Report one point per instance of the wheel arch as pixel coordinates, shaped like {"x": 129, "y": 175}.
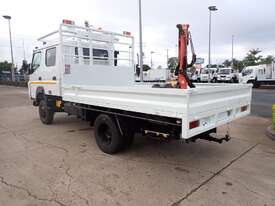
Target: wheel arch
{"x": 39, "y": 94}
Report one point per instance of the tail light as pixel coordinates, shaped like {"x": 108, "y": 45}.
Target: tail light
{"x": 244, "y": 108}
{"x": 127, "y": 33}
{"x": 194, "y": 124}
{"x": 66, "y": 21}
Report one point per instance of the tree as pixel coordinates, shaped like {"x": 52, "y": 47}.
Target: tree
{"x": 172, "y": 64}
{"x": 253, "y": 58}
{"x": 5, "y": 66}
{"x": 237, "y": 64}
{"x": 267, "y": 60}
{"x": 227, "y": 63}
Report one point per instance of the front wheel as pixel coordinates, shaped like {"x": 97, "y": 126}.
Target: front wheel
{"x": 45, "y": 113}
{"x": 256, "y": 84}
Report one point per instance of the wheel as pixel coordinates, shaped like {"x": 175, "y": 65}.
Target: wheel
{"x": 256, "y": 84}
{"x": 108, "y": 137}
{"x": 235, "y": 79}
{"x": 46, "y": 114}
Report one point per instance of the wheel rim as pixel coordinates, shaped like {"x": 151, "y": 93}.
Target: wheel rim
{"x": 105, "y": 134}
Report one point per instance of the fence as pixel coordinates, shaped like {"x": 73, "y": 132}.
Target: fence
{"x": 20, "y": 80}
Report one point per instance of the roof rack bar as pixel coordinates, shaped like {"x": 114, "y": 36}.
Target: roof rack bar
{"x": 50, "y": 34}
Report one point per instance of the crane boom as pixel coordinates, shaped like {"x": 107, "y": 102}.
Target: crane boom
{"x": 184, "y": 39}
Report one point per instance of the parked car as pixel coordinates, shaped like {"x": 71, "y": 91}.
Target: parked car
{"x": 228, "y": 75}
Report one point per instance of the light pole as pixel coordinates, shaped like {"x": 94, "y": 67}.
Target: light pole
{"x": 12, "y": 61}
{"x": 232, "y": 58}
{"x": 140, "y": 42}
{"x": 211, "y": 8}
{"x": 167, "y": 56}
{"x": 152, "y": 59}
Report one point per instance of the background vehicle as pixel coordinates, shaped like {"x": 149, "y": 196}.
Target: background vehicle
{"x": 90, "y": 73}
{"x": 228, "y": 75}
{"x": 195, "y": 75}
{"x": 209, "y": 75}
{"x": 156, "y": 75}
{"x": 259, "y": 75}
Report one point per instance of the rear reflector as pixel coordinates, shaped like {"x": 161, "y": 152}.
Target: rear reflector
{"x": 244, "y": 108}
{"x": 194, "y": 124}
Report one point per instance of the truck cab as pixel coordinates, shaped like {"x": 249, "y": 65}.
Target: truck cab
{"x": 78, "y": 55}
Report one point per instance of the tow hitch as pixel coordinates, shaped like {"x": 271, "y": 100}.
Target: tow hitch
{"x": 209, "y": 137}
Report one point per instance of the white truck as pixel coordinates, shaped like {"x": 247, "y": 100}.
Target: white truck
{"x": 228, "y": 75}
{"x": 156, "y": 75}
{"x": 259, "y": 75}
{"x": 89, "y": 73}
{"x": 209, "y": 75}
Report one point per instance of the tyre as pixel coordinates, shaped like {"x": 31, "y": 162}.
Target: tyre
{"x": 256, "y": 84}
{"x": 108, "y": 137}
{"x": 45, "y": 113}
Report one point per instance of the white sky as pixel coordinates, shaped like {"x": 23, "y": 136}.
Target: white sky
{"x": 252, "y": 22}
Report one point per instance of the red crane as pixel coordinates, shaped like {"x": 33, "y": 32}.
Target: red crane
{"x": 181, "y": 71}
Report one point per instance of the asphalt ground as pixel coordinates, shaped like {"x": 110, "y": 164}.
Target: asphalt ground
{"x": 60, "y": 164}
{"x": 262, "y": 101}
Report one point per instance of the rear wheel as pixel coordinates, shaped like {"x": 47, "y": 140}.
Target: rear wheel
{"x": 45, "y": 113}
{"x": 108, "y": 137}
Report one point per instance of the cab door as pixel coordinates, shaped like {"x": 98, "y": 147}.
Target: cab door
{"x": 46, "y": 76}
{"x": 51, "y": 73}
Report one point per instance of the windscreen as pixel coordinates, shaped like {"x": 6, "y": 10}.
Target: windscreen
{"x": 224, "y": 71}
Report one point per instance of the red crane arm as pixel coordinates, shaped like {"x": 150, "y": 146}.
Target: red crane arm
{"x": 183, "y": 80}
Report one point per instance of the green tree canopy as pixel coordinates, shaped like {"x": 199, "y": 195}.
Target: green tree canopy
{"x": 253, "y": 57}
{"x": 5, "y": 66}
{"x": 267, "y": 60}
{"x": 172, "y": 64}
{"x": 227, "y": 63}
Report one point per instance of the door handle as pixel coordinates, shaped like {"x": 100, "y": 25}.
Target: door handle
{"x": 39, "y": 78}
{"x": 54, "y": 77}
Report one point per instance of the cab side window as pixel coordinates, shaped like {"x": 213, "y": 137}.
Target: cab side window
{"x": 36, "y": 61}
{"x": 100, "y": 57}
{"x": 50, "y": 57}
